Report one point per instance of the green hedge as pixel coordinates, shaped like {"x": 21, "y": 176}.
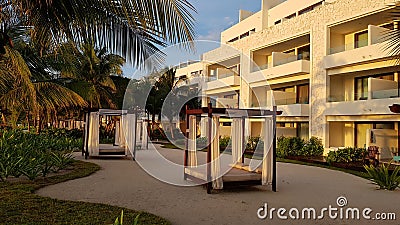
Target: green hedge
{"x": 346, "y": 155}
{"x": 295, "y": 146}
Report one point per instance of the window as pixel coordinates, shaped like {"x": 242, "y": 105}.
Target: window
{"x": 231, "y": 96}
{"x": 306, "y": 10}
{"x": 290, "y": 16}
{"x": 361, "y": 39}
{"x": 303, "y": 94}
{"x": 298, "y": 94}
{"x": 302, "y": 130}
{"x": 244, "y": 35}
{"x": 277, "y": 22}
{"x": 303, "y": 53}
{"x": 389, "y": 26}
{"x": 362, "y": 127}
{"x": 234, "y": 39}
{"x": 291, "y": 52}
{"x": 361, "y": 92}
{"x": 310, "y": 8}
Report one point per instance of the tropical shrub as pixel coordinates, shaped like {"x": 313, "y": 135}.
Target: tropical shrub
{"x": 313, "y": 147}
{"x": 289, "y": 146}
{"x": 254, "y": 143}
{"x": 62, "y": 132}
{"x": 224, "y": 142}
{"x": 32, "y": 155}
{"x": 295, "y": 146}
{"x": 346, "y": 155}
{"x": 380, "y": 176}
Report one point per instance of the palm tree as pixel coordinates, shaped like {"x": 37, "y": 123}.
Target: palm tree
{"x": 133, "y": 28}
{"x": 22, "y": 93}
{"x": 172, "y": 97}
{"x": 26, "y": 85}
{"x": 88, "y": 71}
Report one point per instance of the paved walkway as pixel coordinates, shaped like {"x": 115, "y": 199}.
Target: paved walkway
{"x": 124, "y": 183}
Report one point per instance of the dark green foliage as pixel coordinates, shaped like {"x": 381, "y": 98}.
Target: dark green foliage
{"x": 313, "y": 147}
{"x": 381, "y": 177}
{"x": 62, "y": 132}
{"x": 32, "y": 155}
{"x": 121, "y": 84}
{"x": 254, "y": 143}
{"x": 295, "y": 146}
{"x": 224, "y": 142}
{"x": 289, "y": 146}
{"x": 346, "y": 155}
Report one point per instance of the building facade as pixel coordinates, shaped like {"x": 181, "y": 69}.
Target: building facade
{"x": 325, "y": 64}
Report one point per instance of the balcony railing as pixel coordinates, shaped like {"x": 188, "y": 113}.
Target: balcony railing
{"x": 225, "y": 75}
{"x": 303, "y": 56}
{"x": 382, "y": 94}
{"x": 392, "y": 93}
{"x": 292, "y": 101}
{"x": 349, "y": 46}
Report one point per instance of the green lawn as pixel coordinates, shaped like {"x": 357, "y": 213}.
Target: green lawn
{"x": 19, "y": 204}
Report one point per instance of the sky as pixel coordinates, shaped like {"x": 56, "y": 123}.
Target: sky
{"x": 212, "y": 17}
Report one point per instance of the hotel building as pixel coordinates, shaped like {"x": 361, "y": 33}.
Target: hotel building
{"x": 323, "y": 63}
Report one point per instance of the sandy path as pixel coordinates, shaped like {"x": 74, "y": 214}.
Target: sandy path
{"x": 124, "y": 183}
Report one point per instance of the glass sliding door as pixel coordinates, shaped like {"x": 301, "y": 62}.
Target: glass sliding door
{"x": 361, "y": 134}
{"x": 303, "y": 94}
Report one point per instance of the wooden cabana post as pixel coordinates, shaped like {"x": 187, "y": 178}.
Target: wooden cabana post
{"x": 209, "y": 143}
{"x": 274, "y": 149}
{"x": 185, "y": 163}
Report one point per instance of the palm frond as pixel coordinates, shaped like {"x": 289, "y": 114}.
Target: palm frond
{"x": 133, "y": 29}
{"x": 52, "y": 97}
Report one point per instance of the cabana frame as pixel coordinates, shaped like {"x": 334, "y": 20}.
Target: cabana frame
{"x": 209, "y": 112}
{"x": 129, "y": 120}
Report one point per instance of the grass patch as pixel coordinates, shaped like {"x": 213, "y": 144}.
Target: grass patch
{"x": 19, "y": 204}
{"x": 353, "y": 172}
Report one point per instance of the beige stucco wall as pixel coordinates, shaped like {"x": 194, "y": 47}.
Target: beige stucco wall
{"x": 321, "y": 18}
{"x": 316, "y": 24}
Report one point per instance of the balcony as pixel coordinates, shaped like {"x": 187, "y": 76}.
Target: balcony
{"x": 228, "y": 103}
{"x": 366, "y": 107}
{"x": 358, "y": 52}
{"x": 287, "y": 102}
{"x": 224, "y": 81}
{"x": 282, "y": 65}
{"x": 377, "y": 89}
{"x": 381, "y": 93}
{"x": 294, "y": 110}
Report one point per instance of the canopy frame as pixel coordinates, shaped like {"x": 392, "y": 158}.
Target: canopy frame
{"x": 95, "y": 114}
{"x": 209, "y": 111}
